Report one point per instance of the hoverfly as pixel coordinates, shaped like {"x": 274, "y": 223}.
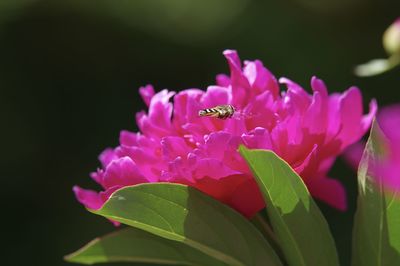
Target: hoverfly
{"x": 220, "y": 111}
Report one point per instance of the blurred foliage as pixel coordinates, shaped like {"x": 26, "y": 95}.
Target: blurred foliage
{"x": 181, "y": 21}
{"x": 10, "y": 8}
{"x": 333, "y": 7}
{"x": 391, "y": 43}
{"x": 69, "y": 73}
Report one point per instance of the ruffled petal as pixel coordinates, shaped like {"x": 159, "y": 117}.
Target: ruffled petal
{"x": 239, "y": 84}
{"x": 260, "y": 78}
{"x": 173, "y": 147}
{"x": 213, "y": 168}
{"x": 122, "y": 172}
{"x": 147, "y": 92}
{"x": 89, "y": 198}
{"x": 223, "y": 80}
{"x": 216, "y": 95}
{"x": 350, "y": 114}
{"x": 107, "y": 156}
{"x": 160, "y": 109}
{"x": 128, "y": 138}
{"x": 258, "y": 138}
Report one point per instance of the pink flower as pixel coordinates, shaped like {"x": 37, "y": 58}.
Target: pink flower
{"x": 176, "y": 145}
{"x": 387, "y": 167}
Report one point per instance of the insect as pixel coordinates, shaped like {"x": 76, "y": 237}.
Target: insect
{"x": 220, "y": 111}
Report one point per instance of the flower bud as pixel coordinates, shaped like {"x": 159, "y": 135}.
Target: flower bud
{"x": 391, "y": 38}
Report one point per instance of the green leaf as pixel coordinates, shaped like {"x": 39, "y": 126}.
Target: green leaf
{"x": 298, "y": 224}
{"x": 376, "y": 232}
{"x": 134, "y": 245}
{"x": 186, "y": 215}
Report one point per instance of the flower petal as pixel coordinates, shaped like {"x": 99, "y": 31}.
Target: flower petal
{"x": 147, "y": 92}
{"x": 329, "y": 191}
{"x": 89, "y": 198}
{"x": 122, "y": 172}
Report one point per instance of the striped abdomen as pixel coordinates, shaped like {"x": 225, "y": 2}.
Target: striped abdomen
{"x": 220, "y": 111}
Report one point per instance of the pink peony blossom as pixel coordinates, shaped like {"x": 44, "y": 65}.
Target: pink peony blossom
{"x": 387, "y": 167}
{"x": 176, "y": 145}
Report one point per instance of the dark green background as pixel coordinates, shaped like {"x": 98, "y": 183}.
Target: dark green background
{"x": 70, "y": 70}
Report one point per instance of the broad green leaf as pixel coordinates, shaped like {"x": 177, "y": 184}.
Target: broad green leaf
{"x": 135, "y": 245}
{"x": 376, "y": 232}
{"x": 298, "y": 223}
{"x": 184, "y": 214}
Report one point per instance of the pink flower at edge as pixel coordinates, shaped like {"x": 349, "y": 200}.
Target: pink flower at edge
{"x": 176, "y": 145}
{"x": 386, "y": 168}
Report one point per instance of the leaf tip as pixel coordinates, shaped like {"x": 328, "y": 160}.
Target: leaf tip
{"x": 71, "y": 258}
{"x": 243, "y": 150}
{"x": 78, "y": 256}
